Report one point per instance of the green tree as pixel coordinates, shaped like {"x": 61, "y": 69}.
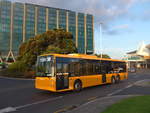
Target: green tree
{"x": 52, "y": 41}
{"x": 103, "y": 56}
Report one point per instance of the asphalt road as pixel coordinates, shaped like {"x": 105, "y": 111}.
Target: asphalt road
{"x": 20, "y": 96}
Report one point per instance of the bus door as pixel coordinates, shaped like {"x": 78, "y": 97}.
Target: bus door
{"x": 62, "y": 77}
{"x": 103, "y": 71}
{"x": 62, "y": 82}
{"x": 103, "y": 78}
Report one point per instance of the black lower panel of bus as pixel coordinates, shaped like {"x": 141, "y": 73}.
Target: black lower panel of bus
{"x": 103, "y": 78}
{"x": 62, "y": 82}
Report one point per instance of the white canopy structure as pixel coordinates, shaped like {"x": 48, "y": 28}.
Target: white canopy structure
{"x": 139, "y": 56}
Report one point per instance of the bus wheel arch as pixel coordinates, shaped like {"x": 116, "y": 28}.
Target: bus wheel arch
{"x": 77, "y": 85}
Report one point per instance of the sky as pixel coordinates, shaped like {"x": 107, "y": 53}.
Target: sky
{"x": 125, "y": 23}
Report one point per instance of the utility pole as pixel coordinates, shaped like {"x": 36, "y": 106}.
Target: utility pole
{"x": 101, "y": 39}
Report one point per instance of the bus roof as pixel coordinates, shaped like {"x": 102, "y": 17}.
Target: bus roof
{"x": 83, "y": 56}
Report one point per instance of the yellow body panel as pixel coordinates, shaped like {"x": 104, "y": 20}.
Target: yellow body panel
{"x": 49, "y": 83}
{"x": 87, "y": 81}
{"x": 46, "y": 83}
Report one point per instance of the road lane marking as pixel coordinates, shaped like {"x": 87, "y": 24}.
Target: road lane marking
{"x": 128, "y": 86}
{"x": 10, "y": 109}
{"x": 115, "y": 92}
{"x": 139, "y": 81}
{"x": 39, "y": 102}
{"x": 118, "y": 91}
{"x": 92, "y": 98}
{"x": 65, "y": 109}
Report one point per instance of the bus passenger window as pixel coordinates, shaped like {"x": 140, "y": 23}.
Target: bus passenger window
{"x": 65, "y": 68}
{"x": 103, "y": 67}
{"x": 97, "y": 68}
{"x": 59, "y": 67}
{"x": 76, "y": 68}
{"x": 71, "y": 69}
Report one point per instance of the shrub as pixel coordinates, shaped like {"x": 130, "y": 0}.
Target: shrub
{"x": 18, "y": 66}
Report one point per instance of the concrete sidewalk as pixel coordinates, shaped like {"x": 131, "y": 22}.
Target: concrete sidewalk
{"x": 99, "y": 105}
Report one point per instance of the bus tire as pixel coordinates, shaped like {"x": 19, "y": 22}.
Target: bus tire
{"x": 113, "y": 80}
{"x": 77, "y": 85}
{"x": 117, "y": 79}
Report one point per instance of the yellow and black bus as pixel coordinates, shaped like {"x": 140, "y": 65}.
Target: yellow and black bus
{"x": 59, "y": 72}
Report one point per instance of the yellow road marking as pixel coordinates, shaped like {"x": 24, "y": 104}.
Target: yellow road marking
{"x": 92, "y": 98}
{"x": 64, "y": 109}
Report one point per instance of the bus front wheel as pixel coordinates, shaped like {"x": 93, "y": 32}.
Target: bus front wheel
{"x": 77, "y": 85}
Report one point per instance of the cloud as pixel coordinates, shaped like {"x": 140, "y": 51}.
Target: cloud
{"x": 145, "y": 0}
{"x": 146, "y": 15}
{"x": 119, "y": 29}
{"x": 123, "y": 26}
{"x": 115, "y": 53}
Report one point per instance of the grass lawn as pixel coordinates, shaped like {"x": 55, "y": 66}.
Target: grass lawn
{"x": 139, "y": 104}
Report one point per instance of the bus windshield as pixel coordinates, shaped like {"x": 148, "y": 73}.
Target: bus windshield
{"x": 44, "y": 66}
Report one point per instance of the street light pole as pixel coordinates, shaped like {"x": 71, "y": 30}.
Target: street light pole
{"x": 101, "y": 40}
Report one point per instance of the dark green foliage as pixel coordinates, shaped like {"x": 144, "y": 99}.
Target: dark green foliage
{"x": 52, "y": 41}
{"x": 17, "y": 66}
{"x": 103, "y": 56}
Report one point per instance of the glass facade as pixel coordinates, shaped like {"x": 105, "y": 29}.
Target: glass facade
{"x": 72, "y": 24}
{"x": 52, "y": 18}
{"x": 26, "y": 20}
{"x": 5, "y": 21}
{"x": 41, "y": 20}
{"x": 81, "y": 39}
{"x": 89, "y": 35}
{"x": 18, "y": 10}
{"x": 62, "y": 19}
{"x": 29, "y": 21}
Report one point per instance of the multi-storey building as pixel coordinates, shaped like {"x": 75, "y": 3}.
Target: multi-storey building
{"x": 20, "y": 21}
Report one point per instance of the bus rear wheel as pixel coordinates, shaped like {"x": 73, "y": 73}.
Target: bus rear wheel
{"x": 77, "y": 86}
{"x": 113, "y": 80}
